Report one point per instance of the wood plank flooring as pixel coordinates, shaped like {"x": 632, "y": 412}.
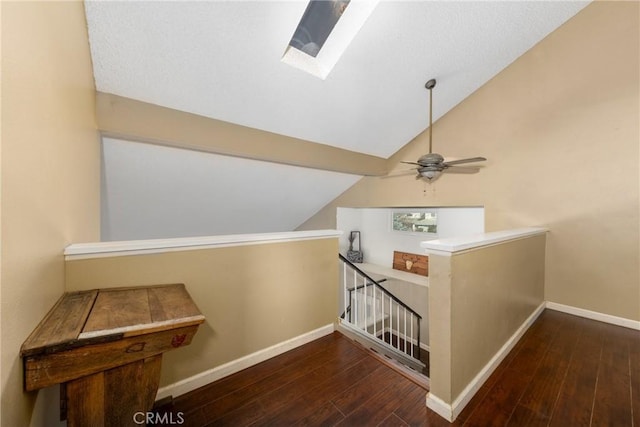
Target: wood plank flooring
{"x": 566, "y": 371}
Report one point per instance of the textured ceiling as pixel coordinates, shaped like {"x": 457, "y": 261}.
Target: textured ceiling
{"x": 222, "y": 59}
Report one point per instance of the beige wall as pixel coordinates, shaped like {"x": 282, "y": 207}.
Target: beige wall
{"x": 478, "y": 300}
{"x": 252, "y": 296}
{"x": 561, "y": 129}
{"x": 50, "y": 178}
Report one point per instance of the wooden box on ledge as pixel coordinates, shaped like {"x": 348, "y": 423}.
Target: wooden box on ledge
{"x": 411, "y": 263}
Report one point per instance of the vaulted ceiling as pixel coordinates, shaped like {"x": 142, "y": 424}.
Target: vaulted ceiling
{"x": 222, "y": 60}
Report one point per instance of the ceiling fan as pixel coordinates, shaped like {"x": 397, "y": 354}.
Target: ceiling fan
{"x": 431, "y": 165}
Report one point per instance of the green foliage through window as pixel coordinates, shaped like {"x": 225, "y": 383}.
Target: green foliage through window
{"x": 415, "y": 222}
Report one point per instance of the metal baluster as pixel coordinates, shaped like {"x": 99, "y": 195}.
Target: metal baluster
{"x": 418, "y": 336}
{"x": 390, "y": 321}
{"x": 375, "y": 309}
{"x": 344, "y": 288}
{"x": 383, "y": 311}
{"x": 354, "y": 303}
{"x": 355, "y": 297}
{"x": 411, "y": 321}
{"x": 398, "y": 334}
{"x": 366, "y": 305}
{"x": 405, "y": 329}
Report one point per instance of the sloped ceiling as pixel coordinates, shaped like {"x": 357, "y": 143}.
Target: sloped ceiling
{"x": 222, "y": 59}
{"x": 151, "y": 191}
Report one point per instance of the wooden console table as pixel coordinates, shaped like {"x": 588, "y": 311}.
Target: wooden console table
{"x": 104, "y": 347}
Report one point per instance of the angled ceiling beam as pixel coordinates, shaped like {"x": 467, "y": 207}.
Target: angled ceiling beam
{"x": 129, "y": 119}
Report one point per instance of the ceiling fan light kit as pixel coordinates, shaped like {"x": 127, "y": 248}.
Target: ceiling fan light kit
{"x": 431, "y": 165}
{"x": 430, "y": 174}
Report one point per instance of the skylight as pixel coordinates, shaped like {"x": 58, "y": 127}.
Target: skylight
{"x": 316, "y": 24}
{"x": 324, "y": 32}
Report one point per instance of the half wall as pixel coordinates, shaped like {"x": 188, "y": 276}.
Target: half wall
{"x": 256, "y": 291}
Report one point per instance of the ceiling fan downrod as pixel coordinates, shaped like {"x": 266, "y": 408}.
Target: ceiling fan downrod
{"x": 430, "y": 85}
{"x": 430, "y": 165}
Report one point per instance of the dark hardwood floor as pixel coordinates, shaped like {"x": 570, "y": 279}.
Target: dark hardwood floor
{"x": 565, "y": 371}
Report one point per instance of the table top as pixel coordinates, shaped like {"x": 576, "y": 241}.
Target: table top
{"x": 103, "y": 315}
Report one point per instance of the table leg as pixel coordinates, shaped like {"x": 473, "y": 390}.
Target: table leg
{"x": 117, "y": 397}
{"x": 85, "y": 401}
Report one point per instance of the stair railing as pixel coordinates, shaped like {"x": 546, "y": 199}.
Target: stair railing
{"x": 376, "y": 312}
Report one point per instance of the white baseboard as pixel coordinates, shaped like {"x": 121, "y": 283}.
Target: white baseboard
{"x": 451, "y": 412}
{"x": 594, "y": 315}
{"x": 440, "y": 407}
{"x": 214, "y": 374}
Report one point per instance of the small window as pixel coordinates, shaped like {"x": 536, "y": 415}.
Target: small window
{"x": 415, "y": 222}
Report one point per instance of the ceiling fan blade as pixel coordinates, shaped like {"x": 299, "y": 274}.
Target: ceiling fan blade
{"x": 412, "y": 163}
{"x": 400, "y": 173}
{"x": 462, "y": 169}
{"x": 469, "y": 160}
